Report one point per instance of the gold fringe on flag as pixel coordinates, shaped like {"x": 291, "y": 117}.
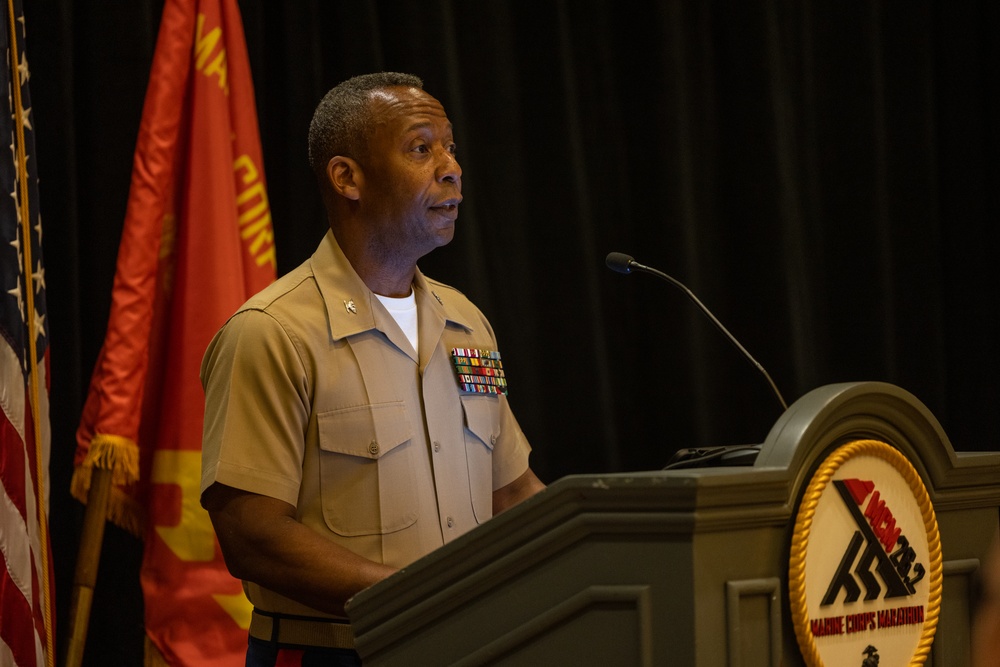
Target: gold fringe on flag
{"x": 120, "y": 456}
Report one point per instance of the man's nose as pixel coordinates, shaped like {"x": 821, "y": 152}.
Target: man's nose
{"x": 448, "y": 167}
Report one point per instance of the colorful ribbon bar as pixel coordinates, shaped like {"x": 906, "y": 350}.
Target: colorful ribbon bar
{"x": 479, "y": 371}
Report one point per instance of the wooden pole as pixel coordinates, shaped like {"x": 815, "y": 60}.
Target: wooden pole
{"x": 88, "y": 558}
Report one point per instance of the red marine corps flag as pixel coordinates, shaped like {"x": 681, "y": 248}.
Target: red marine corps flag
{"x": 196, "y": 244}
{"x": 26, "y": 595}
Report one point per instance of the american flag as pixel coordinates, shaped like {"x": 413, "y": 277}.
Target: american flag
{"x": 25, "y": 581}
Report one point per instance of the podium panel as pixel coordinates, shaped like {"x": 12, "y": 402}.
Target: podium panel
{"x": 686, "y": 567}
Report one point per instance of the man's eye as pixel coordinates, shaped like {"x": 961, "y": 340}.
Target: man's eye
{"x": 420, "y": 148}
{"x": 453, "y": 149}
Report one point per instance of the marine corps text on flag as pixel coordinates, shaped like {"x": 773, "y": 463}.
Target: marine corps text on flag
{"x": 197, "y": 242}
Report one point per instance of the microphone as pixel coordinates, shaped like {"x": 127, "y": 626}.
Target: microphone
{"x": 622, "y": 263}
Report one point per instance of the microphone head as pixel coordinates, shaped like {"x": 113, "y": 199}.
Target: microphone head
{"x": 620, "y": 262}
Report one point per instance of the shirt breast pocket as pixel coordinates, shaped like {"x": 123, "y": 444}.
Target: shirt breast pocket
{"x": 366, "y": 475}
{"x": 482, "y": 428}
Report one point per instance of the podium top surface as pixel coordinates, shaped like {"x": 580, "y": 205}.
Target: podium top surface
{"x": 689, "y": 501}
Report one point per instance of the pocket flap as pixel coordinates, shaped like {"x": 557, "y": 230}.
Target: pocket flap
{"x": 368, "y": 431}
{"x": 482, "y": 417}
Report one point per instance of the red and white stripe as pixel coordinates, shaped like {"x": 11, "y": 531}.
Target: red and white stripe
{"x": 22, "y": 623}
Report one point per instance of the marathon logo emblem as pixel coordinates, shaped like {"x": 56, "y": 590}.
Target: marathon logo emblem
{"x": 886, "y": 548}
{"x": 865, "y": 567}
{"x": 479, "y": 371}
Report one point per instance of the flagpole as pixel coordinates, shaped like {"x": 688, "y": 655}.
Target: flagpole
{"x": 87, "y": 561}
{"x": 25, "y": 209}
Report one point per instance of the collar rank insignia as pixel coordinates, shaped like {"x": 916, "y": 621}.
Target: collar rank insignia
{"x": 479, "y": 371}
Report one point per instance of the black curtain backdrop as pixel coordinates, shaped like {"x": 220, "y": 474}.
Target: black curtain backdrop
{"x": 824, "y": 175}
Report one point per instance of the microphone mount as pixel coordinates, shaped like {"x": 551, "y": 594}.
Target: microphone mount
{"x": 622, "y": 263}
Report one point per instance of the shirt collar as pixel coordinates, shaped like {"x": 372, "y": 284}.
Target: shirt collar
{"x": 350, "y": 305}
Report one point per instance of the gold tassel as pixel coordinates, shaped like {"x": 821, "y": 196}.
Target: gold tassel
{"x": 120, "y": 455}
{"x": 116, "y": 453}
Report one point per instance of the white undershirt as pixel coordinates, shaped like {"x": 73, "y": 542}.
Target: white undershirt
{"x": 404, "y": 311}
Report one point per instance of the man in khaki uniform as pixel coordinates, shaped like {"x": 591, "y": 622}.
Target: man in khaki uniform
{"x": 356, "y": 413}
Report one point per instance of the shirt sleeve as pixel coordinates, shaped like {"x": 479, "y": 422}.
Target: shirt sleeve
{"x": 256, "y": 408}
{"x": 510, "y": 455}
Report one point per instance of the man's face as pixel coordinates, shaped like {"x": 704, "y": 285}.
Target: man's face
{"x": 411, "y": 181}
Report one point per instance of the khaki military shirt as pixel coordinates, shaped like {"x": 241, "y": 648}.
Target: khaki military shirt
{"x": 314, "y": 396}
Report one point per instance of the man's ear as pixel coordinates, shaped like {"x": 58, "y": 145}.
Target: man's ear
{"x": 345, "y": 177}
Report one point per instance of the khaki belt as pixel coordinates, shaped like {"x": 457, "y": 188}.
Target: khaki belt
{"x": 301, "y": 630}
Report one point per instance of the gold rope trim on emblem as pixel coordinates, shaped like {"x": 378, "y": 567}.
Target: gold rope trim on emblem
{"x": 803, "y": 525}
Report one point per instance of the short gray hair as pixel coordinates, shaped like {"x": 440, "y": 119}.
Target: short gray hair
{"x": 342, "y": 122}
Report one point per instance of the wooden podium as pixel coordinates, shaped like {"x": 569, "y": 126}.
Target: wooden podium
{"x": 673, "y": 567}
